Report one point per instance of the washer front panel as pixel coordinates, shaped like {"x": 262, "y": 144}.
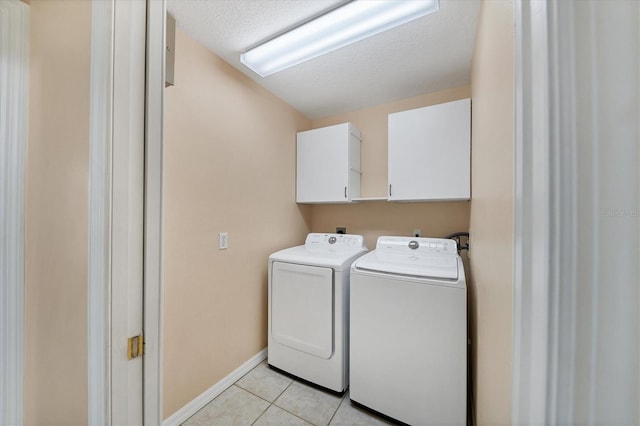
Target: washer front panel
{"x": 408, "y": 348}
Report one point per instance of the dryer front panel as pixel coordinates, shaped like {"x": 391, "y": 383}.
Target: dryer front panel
{"x": 302, "y": 308}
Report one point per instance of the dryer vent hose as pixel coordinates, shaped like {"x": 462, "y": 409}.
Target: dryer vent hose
{"x": 457, "y": 237}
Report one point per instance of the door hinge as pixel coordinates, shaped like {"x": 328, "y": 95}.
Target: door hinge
{"x": 135, "y": 346}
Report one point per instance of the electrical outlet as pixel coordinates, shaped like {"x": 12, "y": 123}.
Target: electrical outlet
{"x": 223, "y": 241}
{"x": 417, "y": 232}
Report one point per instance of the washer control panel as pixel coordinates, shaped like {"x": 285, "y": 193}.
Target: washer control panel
{"x": 334, "y": 242}
{"x": 416, "y": 246}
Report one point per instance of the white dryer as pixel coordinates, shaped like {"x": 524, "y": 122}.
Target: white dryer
{"x": 409, "y": 331}
{"x": 309, "y": 308}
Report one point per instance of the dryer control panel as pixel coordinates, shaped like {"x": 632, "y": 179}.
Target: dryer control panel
{"x": 334, "y": 242}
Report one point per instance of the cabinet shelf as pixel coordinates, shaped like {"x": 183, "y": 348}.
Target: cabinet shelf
{"x": 363, "y": 199}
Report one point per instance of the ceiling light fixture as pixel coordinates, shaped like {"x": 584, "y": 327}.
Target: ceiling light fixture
{"x": 338, "y": 28}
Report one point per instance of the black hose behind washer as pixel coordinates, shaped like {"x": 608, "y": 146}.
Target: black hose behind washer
{"x": 457, "y": 237}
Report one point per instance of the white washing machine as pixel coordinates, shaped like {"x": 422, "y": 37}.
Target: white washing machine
{"x": 409, "y": 331}
{"x": 309, "y": 308}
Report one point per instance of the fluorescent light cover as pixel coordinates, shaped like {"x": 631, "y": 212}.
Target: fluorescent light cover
{"x": 352, "y": 22}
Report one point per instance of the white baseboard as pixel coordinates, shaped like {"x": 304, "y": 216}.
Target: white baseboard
{"x": 207, "y": 396}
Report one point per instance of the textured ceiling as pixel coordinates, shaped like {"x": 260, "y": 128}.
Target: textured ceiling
{"x": 423, "y": 56}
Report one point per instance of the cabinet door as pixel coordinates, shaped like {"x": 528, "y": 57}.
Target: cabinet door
{"x": 323, "y": 165}
{"x": 429, "y": 153}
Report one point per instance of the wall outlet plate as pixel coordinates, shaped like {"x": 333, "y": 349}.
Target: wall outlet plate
{"x": 223, "y": 241}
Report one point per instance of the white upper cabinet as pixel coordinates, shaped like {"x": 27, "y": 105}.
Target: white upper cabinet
{"x": 328, "y": 165}
{"x": 430, "y": 153}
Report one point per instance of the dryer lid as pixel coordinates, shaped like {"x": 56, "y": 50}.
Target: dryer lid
{"x": 336, "y": 251}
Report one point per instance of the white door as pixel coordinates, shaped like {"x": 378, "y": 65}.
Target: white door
{"x": 302, "y": 308}
{"x": 117, "y": 151}
{"x": 139, "y": 71}
{"x": 127, "y": 210}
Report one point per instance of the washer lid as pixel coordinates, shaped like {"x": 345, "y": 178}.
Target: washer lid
{"x": 417, "y": 257}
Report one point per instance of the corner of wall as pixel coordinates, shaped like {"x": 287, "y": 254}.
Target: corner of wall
{"x": 491, "y": 218}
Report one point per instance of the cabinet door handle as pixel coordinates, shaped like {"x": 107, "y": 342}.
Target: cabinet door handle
{"x": 389, "y": 190}
{"x": 345, "y": 192}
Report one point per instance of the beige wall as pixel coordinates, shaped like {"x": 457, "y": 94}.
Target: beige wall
{"x": 491, "y": 224}
{"x": 229, "y": 167}
{"x": 56, "y": 213}
{"x": 375, "y": 218}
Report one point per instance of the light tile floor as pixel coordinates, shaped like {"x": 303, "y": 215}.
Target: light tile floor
{"x": 266, "y": 397}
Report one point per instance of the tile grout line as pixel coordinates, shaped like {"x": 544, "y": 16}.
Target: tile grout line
{"x": 278, "y": 396}
{"x": 305, "y": 420}
{"x": 285, "y": 410}
{"x": 266, "y": 400}
{"x": 270, "y": 402}
{"x": 251, "y": 393}
{"x": 256, "y": 395}
{"x": 337, "y": 408}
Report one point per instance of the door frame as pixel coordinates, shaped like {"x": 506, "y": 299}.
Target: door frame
{"x": 154, "y": 165}
{"x": 99, "y": 256}
{"x": 531, "y": 293}
{"x": 108, "y": 102}
{"x": 116, "y": 170}
{"x": 575, "y": 135}
{"x": 13, "y": 133}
